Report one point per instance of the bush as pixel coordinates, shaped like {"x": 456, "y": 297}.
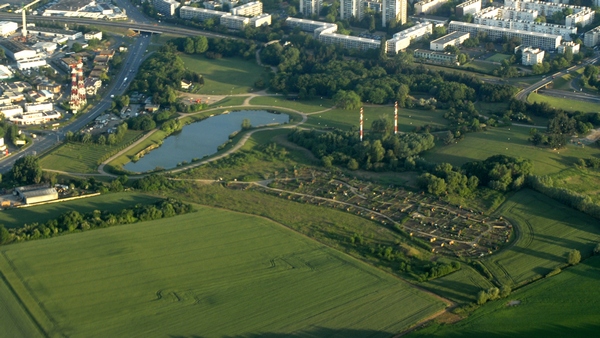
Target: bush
{"x": 574, "y": 257}
{"x": 554, "y": 272}
{"x": 597, "y": 249}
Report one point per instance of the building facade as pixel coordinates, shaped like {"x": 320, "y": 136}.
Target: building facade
{"x": 428, "y": 6}
{"x": 310, "y": 7}
{"x": 201, "y": 14}
{"x": 536, "y": 40}
{"x": 351, "y": 9}
{"x": 532, "y": 56}
{"x": 250, "y": 9}
{"x": 394, "y": 11}
{"x": 468, "y": 7}
{"x": 592, "y": 37}
{"x": 433, "y": 56}
{"x": 7, "y": 28}
{"x": 166, "y": 7}
{"x": 528, "y": 26}
{"x": 568, "y": 46}
{"x": 452, "y": 39}
{"x": 403, "y": 39}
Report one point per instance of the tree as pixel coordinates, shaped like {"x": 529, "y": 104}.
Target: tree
{"x": 27, "y": 170}
{"x": 348, "y": 100}
{"x": 246, "y": 124}
{"x": 5, "y": 236}
{"x": 462, "y": 58}
{"x": 574, "y": 257}
{"x": 76, "y": 47}
{"x": 482, "y": 297}
{"x": 597, "y": 249}
{"x": 201, "y": 44}
{"x": 2, "y": 54}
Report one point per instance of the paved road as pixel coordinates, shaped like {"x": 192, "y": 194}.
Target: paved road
{"x": 117, "y": 87}
{"x": 133, "y": 13}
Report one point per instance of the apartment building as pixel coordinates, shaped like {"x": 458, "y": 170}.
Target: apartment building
{"x": 568, "y": 46}
{"x": 310, "y": 7}
{"x": 351, "y": 9}
{"x": 250, "y": 9}
{"x": 349, "y": 42}
{"x": 591, "y": 38}
{"x": 428, "y": 6}
{"x": 201, "y": 14}
{"x": 532, "y": 56}
{"x": 166, "y": 7}
{"x": 234, "y": 21}
{"x": 438, "y": 57}
{"x": 468, "y": 7}
{"x": 507, "y": 13}
{"x": 452, "y": 39}
{"x": 394, "y": 11}
{"x": 536, "y": 40}
{"x": 528, "y": 26}
{"x": 403, "y": 39}
{"x": 581, "y": 14}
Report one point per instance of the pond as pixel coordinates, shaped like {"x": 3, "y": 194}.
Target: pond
{"x": 202, "y": 138}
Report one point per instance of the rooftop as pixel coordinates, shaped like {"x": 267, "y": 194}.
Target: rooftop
{"x": 449, "y": 37}
{"x": 70, "y": 5}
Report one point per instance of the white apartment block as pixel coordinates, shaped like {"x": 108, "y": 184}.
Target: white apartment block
{"x": 166, "y": 7}
{"x": 583, "y": 18}
{"x": 38, "y": 107}
{"x": 351, "y": 9}
{"x": 250, "y": 9}
{"x": 547, "y": 9}
{"x": 591, "y": 38}
{"x": 261, "y": 20}
{"x": 428, "y": 6}
{"x": 568, "y": 46}
{"x": 507, "y": 13}
{"x": 310, "y": 7}
{"x": 317, "y": 27}
{"x": 452, "y": 39}
{"x": 529, "y": 26}
{"x": 10, "y": 111}
{"x": 7, "y": 28}
{"x": 234, "y": 21}
{"x": 532, "y": 56}
{"x": 435, "y": 56}
{"x": 537, "y": 40}
{"x": 394, "y": 11}
{"x": 201, "y": 14}
{"x": 403, "y": 39}
{"x": 468, "y": 7}
{"x": 349, "y": 42}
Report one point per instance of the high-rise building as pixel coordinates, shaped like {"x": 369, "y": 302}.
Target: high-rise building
{"x": 310, "y": 7}
{"x": 351, "y": 9}
{"x": 394, "y": 11}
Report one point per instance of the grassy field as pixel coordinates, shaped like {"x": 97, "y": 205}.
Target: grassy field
{"x": 229, "y": 101}
{"x": 585, "y": 181}
{"x": 481, "y": 66}
{"x": 512, "y": 142}
{"x": 565, "y": 305}
{"x": 546, "y": 231}
{"x": 212, "y": 273}
{"x": 498, "y": 57}
{"x": 565, "y": 104}
{"x": 83, "y": 158}
{"x": 110, "y": 202}
{"x": 305, "y": 106}
{"x": 460, "y": 286}
{"x": 224, "y": 76}
{"x": 408, "y": 119}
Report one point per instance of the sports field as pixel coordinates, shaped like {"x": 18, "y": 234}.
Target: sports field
{"x": 565, "y": 305}
{"x": 546, "y": 231}
{"x": 110, "y": 202}
{"x": 224, "y": 76}
{"x": 212, "y": 273}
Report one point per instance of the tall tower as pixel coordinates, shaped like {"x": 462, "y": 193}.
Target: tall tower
{"x": 396, "y": 118}
{"x": 361, "y": 124}
{"x": 351, "y": 9}
{"x": 310, "y": 7}
{"x": 81, "y": 85}
{"x": 78, "y": 94}
{"x": 394, "y": 10}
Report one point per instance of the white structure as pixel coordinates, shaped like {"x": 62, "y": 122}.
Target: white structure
{"x": 537, "y": 40}
{"x": 568, "y": 46}
{"x": 438, "y": 57}
{"x": 38, "y": 107}
{"x": 452, "y": 39}
{"x": 35, "y": 118}
{"x": 394, "y": 11}
{"x": 528, "y": 26}
{"x": 54, "y": 32}
{"x": 234, "y": 21}
{"x": 16, "y": 50}
{"x": 201, "y": 14}
{"x": 47, "y": 47}
{"x": 591, "y": 38}
{"x": 428, "y": 6}
{"x": 310, "y": 7}
{"x": 261, "y": 20}
{"x": 349, "y": 42}
{"x": 212, "y": 5}
{"x": 317, "y": 27}
{"x": 92, "y": 35}
{"x": 403, "y": 39}
{"x": 10, "y": 111}
{"x": 7, "y": 28}
{"x": 468, "y": 7}
{"x": 34, "y": 63}
{"x": 581, "y": 14}
{"x": 507, "y": 13}
{"x": 583, "y": 18}
{"x": 250, "y": 9}
{"x": 532, "y": 56}
{"x": 351, "y": 9}
{"x": 5, "y": 73}
{"x": 166, "y": 7}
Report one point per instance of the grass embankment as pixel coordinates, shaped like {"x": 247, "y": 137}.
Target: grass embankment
{"x": 565, "y": 305}
{"x": 224, "y": 76}
{"x": 565, "y": 104}
{"x": 480, "y": 66}
{"x": 12, "y": 218}
{"x": 305, "y": 106}
{"x": 498, "y": 57}
{"x": 84, "y": 158}
{"x": 212, "y": 273}
{"x": 510, "y": 141}
{"x": 546, "y": 231}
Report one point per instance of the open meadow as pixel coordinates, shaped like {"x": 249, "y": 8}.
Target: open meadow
{"x": 305, "y": 106}
{"x": 12, "y": 218}
{"x": 565, "y": 305}
{"x": 546, "y": 231}
{"x": 510, "y": 141}
{"x": 584, "y": 181}
{"x": 565, "y": 104}
{"x": 212, "y": 273}
{"x": 224, "y": 76}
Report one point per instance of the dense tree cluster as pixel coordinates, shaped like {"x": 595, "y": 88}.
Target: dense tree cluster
{"x": 562, "y": 126}
{"x": 381, "y": 150}
{"x": 27, "y": 170}
{"x": 573, "y": 199}
{"x": 101, "y": 139}
{"x": 500, "y": 172}
{"x": 436, "y": 270}
{"x": 445, "y": 179}
{"x": 72, "y": 221}
{"x": 492, "y": 293}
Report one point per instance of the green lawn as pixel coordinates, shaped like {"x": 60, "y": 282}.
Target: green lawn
{"x": 83, "y": 158}
{"x": 585, "y": 181}
{"x": 408, "y": 119}
{"x": 224, "y": 76}
{"x": 498, "y": 57}
{"x": 546, "y": 231}
{"x": 305, "y": 106}
{"x": 565, "y": 305}
{"x": 110, "y": 202}
{"x": 460, "y": 286}
{"x": 565, "y": 104}
{"x": 212, "y": 273}
{"x": 481, "y": 66}
{"x": 512, "y": 142}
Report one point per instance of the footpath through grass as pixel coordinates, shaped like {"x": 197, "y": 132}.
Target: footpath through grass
{"x": 565, "y": 305}
{"x": 212, "y": 273}
{"x": 12, "y": 218}
{"x": 546, "y": 231}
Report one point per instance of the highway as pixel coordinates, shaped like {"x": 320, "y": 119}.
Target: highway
{"x": 117, "y": 87}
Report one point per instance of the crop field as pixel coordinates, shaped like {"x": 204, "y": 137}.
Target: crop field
{"x": 547, "y": 231}
{"x": 83, "y": 158}
{"x": 498, "y": 57}
{"x": 460, "y": 286}
{"x": 565, "y": 305}
{"x": 510, "y": 141}
{"x": 408, "y": 119}
{"x": 305, "y": 106}
{"x": 224, "y": 76}
{"x": 565, "y": 104}
{"x": 212, "y": 273}
{"x": 110, "y": 202}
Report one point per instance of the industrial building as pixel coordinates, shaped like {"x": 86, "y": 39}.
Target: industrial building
{"x": 403, "y": 39}
{"x": 34, "y": 63}
{"x": 532, "y": 56}
{"x": 16, "y": 50}
{"x": 250, "y": 9}
{"x": 468, "y": 7}
{"x": 36, "y": 194}
{"x": 452, "y": 39}
{"x": 11, "y": 110}
{"x": 310, "y": 7}
{"x": 38, "y": 107}
{"x": 394, "y": 11}
{"x": 434, "y": 56}
{"x": 428, "y": 6}
{"x": 7, "y": 28}
{"x": 201, "y": 14}
{"x": 536, "y": 40}
{"x": 55, "y": 33}
{"x": 35, "y": 118}
{"x": 166, "y": 7}
{"x": 92, "y": 35}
